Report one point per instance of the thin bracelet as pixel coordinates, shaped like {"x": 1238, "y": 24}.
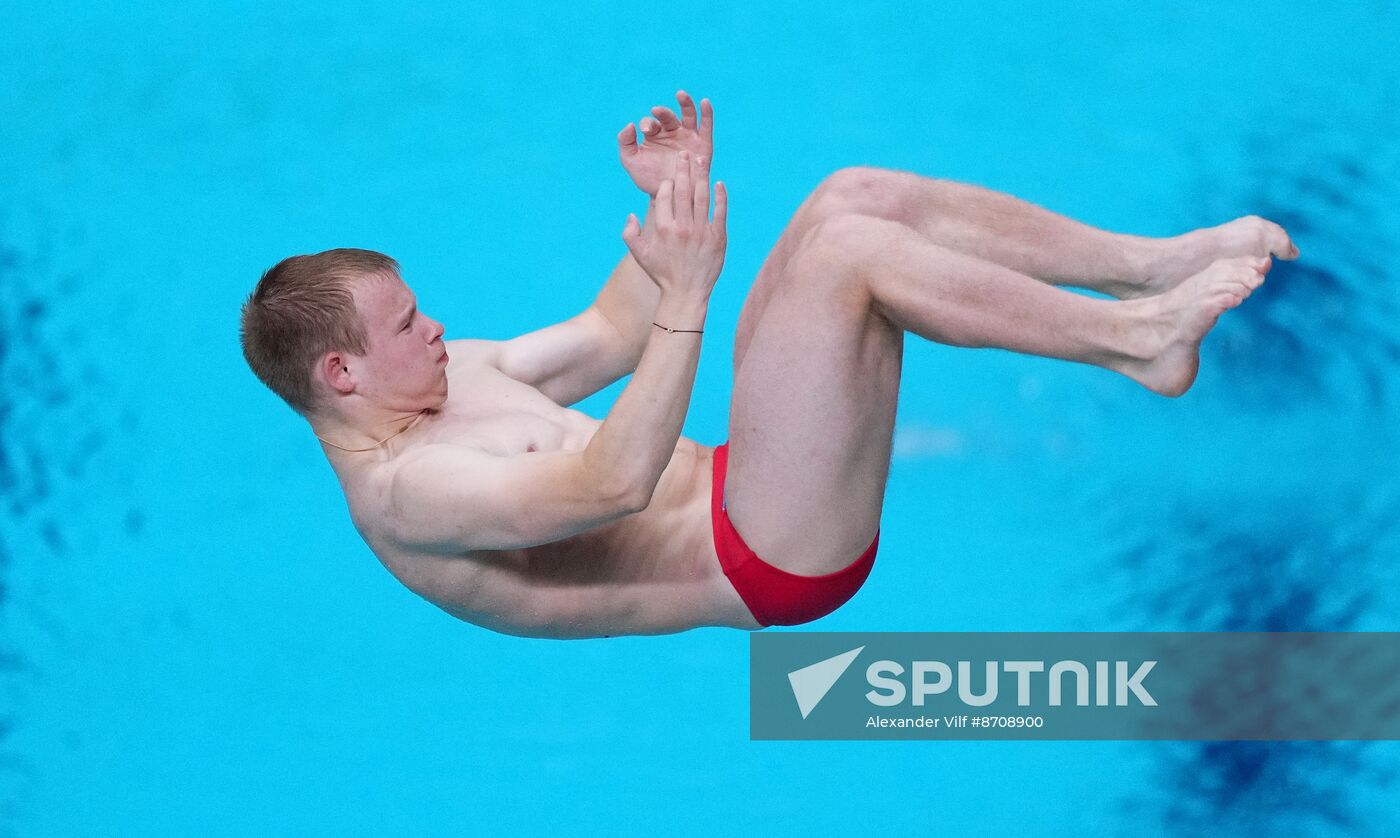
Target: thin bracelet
{"x": 669, "y": 329}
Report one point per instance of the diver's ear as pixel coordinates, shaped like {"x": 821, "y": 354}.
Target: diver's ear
{"x": 335, "y": 369}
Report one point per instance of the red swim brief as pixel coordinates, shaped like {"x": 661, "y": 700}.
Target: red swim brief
{"x": 777, "y": 597}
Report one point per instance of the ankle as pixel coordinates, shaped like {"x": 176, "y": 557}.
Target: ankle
{"x": 1145, "y": 332}
{"x": 1151, "y": 258}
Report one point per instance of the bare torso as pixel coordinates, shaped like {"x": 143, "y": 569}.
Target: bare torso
{"x": 653, "y": 572}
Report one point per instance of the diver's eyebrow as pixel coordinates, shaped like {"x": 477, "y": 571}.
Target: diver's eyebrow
{"x": 408, "y": 314}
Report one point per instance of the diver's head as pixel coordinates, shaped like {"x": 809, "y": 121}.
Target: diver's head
{"x": 338, "y": 332}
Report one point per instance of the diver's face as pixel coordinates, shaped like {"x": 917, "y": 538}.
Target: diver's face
{"x": 405, "y": 365}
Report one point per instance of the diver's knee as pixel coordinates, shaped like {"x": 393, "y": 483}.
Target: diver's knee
{"x": 838, "y": 249}
{"x": 858, "y": 190}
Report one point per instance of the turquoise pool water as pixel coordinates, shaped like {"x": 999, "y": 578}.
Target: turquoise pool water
{"x": 197, "y": 642}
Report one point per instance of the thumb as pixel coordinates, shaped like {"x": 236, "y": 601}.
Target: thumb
{"x": 632, "y": 230}
{"x": 627, "y": 138}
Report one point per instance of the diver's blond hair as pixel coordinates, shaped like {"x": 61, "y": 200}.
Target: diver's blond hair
{"x": 303, "y": 307}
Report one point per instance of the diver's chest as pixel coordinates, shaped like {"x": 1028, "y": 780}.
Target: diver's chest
{"x": 503, "y": 432}
{"x": 505, "y": 417}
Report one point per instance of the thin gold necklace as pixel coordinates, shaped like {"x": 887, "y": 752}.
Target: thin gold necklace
{"x": 421, "y": 414}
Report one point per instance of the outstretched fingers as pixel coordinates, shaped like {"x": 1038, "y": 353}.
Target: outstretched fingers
{"x": 707, "y": 120}
{"x": 684, "y": 197}
{"x": 702, "y": 191}
{"x": 721, "y": 207}
{"x": 700, "y": 119}
{"x": 688, "y": 115}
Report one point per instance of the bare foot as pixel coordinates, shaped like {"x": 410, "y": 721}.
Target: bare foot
{"x": 1177, "y": 320}
{"x": 1190, "y": 253}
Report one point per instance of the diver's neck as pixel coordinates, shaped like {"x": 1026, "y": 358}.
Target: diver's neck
{"x": 368, "y": 436}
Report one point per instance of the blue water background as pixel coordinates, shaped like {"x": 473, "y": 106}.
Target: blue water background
{"x": 195, "y": 640}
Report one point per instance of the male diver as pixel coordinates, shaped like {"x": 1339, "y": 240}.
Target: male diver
{"x": 468, "y": 475}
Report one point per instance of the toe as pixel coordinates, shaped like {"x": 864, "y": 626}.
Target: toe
{"x": 1280, "y": 244}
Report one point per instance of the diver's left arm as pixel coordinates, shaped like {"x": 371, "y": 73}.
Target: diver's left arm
{"x": 628, "y": 302}
{"x": 573, "y": 359}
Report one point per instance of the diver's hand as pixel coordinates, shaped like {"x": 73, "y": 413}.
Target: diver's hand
{"x": 680, "y": 248}
{"x": 664, "y": 138}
